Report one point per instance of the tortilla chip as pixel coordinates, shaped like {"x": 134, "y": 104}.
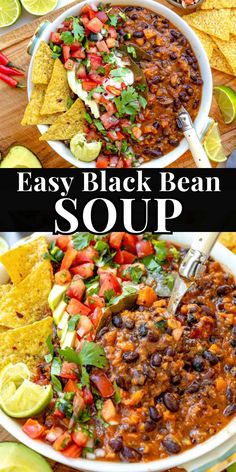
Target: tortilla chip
{"x": 206, "y": 41}
{"x": 229, "y": 240}
{"x": 213, "y": 22}
{"x": 27, "y": 302}
{"x": 58, "y": 91}
{"x": 43, "y": 65}
{"x": 20, "y": 260}
{"x": 4, "y": 289}
{"x": 217, "y": 4}
{"x": 26, "y": 344}
{"x": 32, "y": 115}
{"x": 233, "y": 22}
{"x": 68, "y": 125}
{"x": 228, "y": 49}
{"x": 219, "y": 62}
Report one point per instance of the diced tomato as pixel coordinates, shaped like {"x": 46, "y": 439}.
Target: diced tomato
{"x": 108, "y": 411}
{"x": 115, "y": 91}
{"x": 95, "y": 61}
{"x": 110, "y": 283}
{"x": 104, "y": 271}
{"x": 144, "y": 248}
{"x": 81, "y": 73}
{"x": 68, "y": 370}
{"x": 96, "y": 316}
{"x": 71, "y": 386}
{"x": 96, "y": 78}
{"x": 102, "y": 47}
{"x": 84, "y": 20}
{"x": 136, "y": 132}
{"x": 86, "y": 255}
{"x": 102, "y": 162}
{"x": 109, "y": 121}
{"x": 123, "y": 272}
{"x": 129, "y": 242}
{"x": 127, "y": 163}
{"x": 111, "y": 42}
{"x": 87, "y": 10}
{"x": 124, "y": 257}
{"x": 115, "y": 239}
{"x": 72, "y": 451}
{"x": 59, "y": 414}
{"x": 55, "y": 38}
{"x": 62, "y": 277}
{"x": 78, "y": 54}
{"x": 79, "y": 438}
{"x": 75, "y": 45}
{"x": 103, "y": 384}
{"x": 87, "y": 396}
{"x": 146, "y": 296}
{"x": 62, "y": 442}
{"x": 102, "y": 16}
{"x": 112, "y": 32}
{"x": 110, "y": 107}
{"x": 75, "y": 307}
{"x": 76, "y": 288}
{"x": 94, "y": 301}
{"x": 53, "y": 434}
{"x": 68, "y": 258}
{"x": 84, "y": 270}
{"x": 114, "y": 161}
{"x": 120, "y": 163}
{"x": 69, "y": 65}
{"x": 88, "y": 85}
{"x": 66, "y": 52}
{"x": 68, "y": 24}
{"x": 33, "y": 429}
{"x": 85, "y": 325}
{"x": 95, "y": 25}
{"x": 62, "y": 242}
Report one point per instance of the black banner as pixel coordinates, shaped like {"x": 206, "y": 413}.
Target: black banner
{"x": 137, "y": 200}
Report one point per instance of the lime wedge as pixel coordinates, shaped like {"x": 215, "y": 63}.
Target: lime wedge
{"x": 39, "y": 7}
{"x": 3, "y": 245}
{"x": 226, "y": 99}
{"x": 15, "y": 373}
{"x": 29, "y": 399}
{"x": 10, "y": 11}
{"x": 83, "y": 151}
{"x": 212, "y": 145}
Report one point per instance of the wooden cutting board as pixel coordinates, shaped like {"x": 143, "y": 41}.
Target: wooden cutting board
{"x": 13, "y": 103}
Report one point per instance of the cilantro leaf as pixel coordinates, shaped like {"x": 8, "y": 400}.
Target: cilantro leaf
{"x": 161, "y": 325}
{"x": 90, "y": 354}
{"x": 67, "y": 37}
{"x": 109, "y": 58}
{"x": 81, "y": 240}
{"x": 85, "y": 378}
{"x": 113, "y": 20}
{"x": 169, "y": 281}
{"x": 56, "y": 382}
{"x": 78, "y": 30}
{"x": 72, "y": 323}
{"x": 141, "y": 87}
{"x": 50, "y": 345}
{"x": 117, "y": 395}
{"x": 132, "y": 51}
{"x": 161, "y": 251}
{"x": 142, "y": 101}
{"x": 127, "y": 103}
{"x": 56, "y": 366}
{"x": 109, "y": 294}
{"x": 136, "y": 273}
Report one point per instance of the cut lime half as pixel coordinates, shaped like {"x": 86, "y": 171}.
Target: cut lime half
{"x": 10, "y": 11}
{"x": 212, "y": 145}
{"x": 15, "y": 373}
{"x": 83, "y": 151}
{"x": 226, "y": 99}
{"x": 39, "y": 7}
{"x": 3, "y": 245}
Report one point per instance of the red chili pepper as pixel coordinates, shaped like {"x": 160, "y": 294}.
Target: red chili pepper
{"x": 10, "y": 81}
{"x": 10, "y": 71}
{"x": 5, "y": 61}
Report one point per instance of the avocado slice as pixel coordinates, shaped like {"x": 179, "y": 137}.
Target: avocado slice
{"x": 56, "y": 294}
{"x": 20, "y": 157}
{"x": 17, "y": 457}
{"x": 58, "y": 312}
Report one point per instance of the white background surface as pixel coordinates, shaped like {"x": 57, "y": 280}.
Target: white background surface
{"x": 26, "y": 17}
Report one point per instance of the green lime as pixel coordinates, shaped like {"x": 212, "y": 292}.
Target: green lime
{"x": 226, "y": 99}
{"x": 39, "y": 7}
{"x": 10, "y": 11}
{"x": 212, "y": 144}
{"x": 15, "y": 373}
{"x": 83, "y": 151}
{"x": 3, "y": 245}
{"x": 29, "y": 399}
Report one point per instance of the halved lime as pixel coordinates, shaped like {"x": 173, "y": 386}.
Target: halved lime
{"x": 10, "y": 11}
{"x": 39, "y": 7}
{"x": 29, "y": 399}
{"x": 15, "y": 373}
{"x": 83, "y": 151}
{"x": 3, "y": 245}
{"x": 226, "y": 99}
{"x": 212, "y": 145}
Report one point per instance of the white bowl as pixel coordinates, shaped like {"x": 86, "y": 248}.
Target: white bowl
{"x": 201, "y": 119}
{"x": 191, "y": 459}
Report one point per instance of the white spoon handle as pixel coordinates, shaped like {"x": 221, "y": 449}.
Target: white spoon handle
{"x": 200, "y": 158}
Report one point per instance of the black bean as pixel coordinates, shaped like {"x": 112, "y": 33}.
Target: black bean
{"x": 198, "y": 81}
{"x": 193, "y": 387}
{"x": 152, "y": 337}
{"x": 116, "y": 444}
{"x": 223, "y": 290}
{"x": 198, "y": 363}
{"x": 170, "y": 351}
{"x": 211, "y": 358}
{"x": 173, "y": 56}
{"x": 134, "y": 17}
{"x": 207, "y": 311}
{"x": 127, "y": 9}
{"x": 230, "y": 410}
{"x": 156, "y": 360}
{"x": 191, "y": 318}
{"x": 190, "y": 90}
{"x": 173, "y": 142}
{"x": 156, "y": 79}
{"x": 229, "y": 394}
{"x": 196, "y": 103}
{"x": 233, "y": 342}
{"x": 171, "y": 402}
{"x": 117, "y": 321}
{"x": 156, "y": 124}
{"x": 130, "y": 356}
{"x": 234, "y": 332}
{"x": 143, "y": 330}
{"x": 233, "y": 371}
{"x": 102, "y": 331}
{"x": 171, "y": 445}
{"x": 149, "y": 426}
{"x": 153, "y": 152}
{"x": 121, "y": 382}
{"x": 138, "y": 34}
{"x": 177, "y": 103}
{"x": 227, "y": 368}
{"x": 129, "y": 324}
{"x": 176, "y": 379}
{"x": 138, "y": 377}
{"x": 183, "y": 97}
{"x": 150, "y": 373}
{"x": 175, "y": 34}
{"x": 155, "y": 415}
{"x": 128, "y": 454}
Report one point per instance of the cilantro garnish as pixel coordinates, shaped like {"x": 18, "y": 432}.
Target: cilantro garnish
{"x": 117, "y": 395}
{"x": 135, "y": 272}
{"x": 56, "y": 366}
{"x": 99, "y": 126}
{"x": 142, "y": 101}
{"x": 90, "y": 354}
{"x": 124, "y": 146}
{"x": 50, "y": 345}
{"x": 141, "y": 87}
{"x": 127, "y": 103}
{"x": 82, "y": 240}
{"x": 111, "y": 147}
{"x": 65, "y": 407}
{"x": 84, "y": 416}
{"x": 78, "y": 30}
{"x": 101, "y": 70}
{"x": 123, "y": 16}
{"x": 161, "y": 251}
{"x": 56, "y": 382}
{"x": 72, "y": 323}
{"x": 131, "y": 50}
{"x": 161, "y": 325}
{"x": 88, "y": 117}
{"x": 109, "y": 294}
{"x": 67, "y": 37}
{"x": 113, "y": 20}
{"x": 101, "y": 245}
{"x": 109, "y": 58}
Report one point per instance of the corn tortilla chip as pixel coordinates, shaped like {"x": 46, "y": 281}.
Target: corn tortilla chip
{"x": 27, "y": 302}
{"x": 206, "y": 41}
{"x": 228, "y": 49}
{"x": 214, "y": 22}
{"x": 233, "y": 22}
{"x": 32, "y": 115}
{"x": 219, "y": 62}
{"x": 58, "y": 91}
{"x": 4, "y": 289}
{"x": 26, "y": 344}
{"x": 43, "y": 65}
{"x": 229, "y": 240}
{"x": 217, "y": 4}
{"x": 68, "y": 125}
{"x": 20, "y": 260}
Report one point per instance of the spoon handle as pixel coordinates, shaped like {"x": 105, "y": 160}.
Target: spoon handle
{"x": 195, "y": 146}
{"x": 193, "y": 263}
{"x": 204, "y": 242}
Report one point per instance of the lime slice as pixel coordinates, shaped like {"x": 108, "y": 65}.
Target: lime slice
{"x": 212, "y": 145}
{"x": 10, "y": 11}
{"x": 226, "y": 99}
{"x": 29, "y": 399}
{"x": 83, "y": 151}
{"x": 3, "y": 245}
{"x": 16, "y": 373}
{"x": 39, "y": 7}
